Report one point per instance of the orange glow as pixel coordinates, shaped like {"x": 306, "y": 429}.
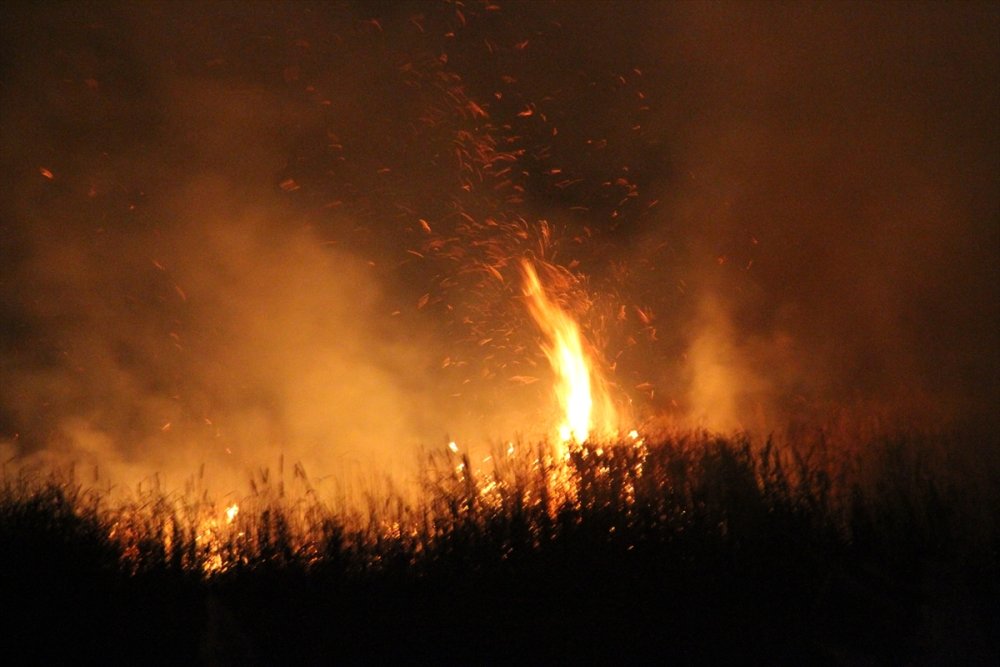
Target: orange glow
{"x": 577, "y": 380}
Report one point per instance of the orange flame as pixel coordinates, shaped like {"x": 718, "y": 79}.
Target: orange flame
{"x": 576, "y": 378}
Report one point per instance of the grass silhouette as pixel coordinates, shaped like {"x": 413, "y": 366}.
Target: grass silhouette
{"x": 690, "y": 548}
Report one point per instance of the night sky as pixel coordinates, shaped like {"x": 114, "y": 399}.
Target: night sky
{"x": 233, "y": 230}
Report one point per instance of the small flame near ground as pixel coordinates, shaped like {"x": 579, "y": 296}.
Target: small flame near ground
{"x": 580, "y": 387}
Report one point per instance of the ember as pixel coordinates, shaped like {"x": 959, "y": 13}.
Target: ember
{"x": 597, "y": 326}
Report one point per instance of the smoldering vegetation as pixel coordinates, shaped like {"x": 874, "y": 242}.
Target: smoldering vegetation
{"x": 239, "y": 234}
{"x": 689, "y": 548}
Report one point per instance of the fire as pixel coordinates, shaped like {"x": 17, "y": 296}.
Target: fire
{"x": 577, "y": 379}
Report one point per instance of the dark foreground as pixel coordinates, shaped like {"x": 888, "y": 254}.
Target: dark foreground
{"x": 694, "y": 550}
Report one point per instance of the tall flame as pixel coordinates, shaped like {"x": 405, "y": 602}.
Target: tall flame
{"x": 575, "y": 376}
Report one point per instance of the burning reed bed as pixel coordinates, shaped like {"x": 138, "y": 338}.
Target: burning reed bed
{"x": 692, "y": 547}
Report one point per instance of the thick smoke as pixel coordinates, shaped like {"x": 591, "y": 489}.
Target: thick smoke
{"x": 206, "y": 326}
{"x": 233, "y": 232}
{"x": 164, "y": 306}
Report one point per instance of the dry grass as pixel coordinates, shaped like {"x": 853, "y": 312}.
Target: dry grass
{"x": 691, "y": 545}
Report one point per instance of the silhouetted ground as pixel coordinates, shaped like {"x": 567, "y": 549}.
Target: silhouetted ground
{"x": 710, "y": 552}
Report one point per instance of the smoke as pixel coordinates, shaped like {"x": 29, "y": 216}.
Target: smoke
{"x": 832, "y": 213}
{"x": 235, "y": 232}
{"x": 222, "y": 333}
{"x": 164, "y": 307}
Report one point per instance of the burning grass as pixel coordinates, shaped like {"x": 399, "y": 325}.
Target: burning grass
{"x": 691, "y": 546}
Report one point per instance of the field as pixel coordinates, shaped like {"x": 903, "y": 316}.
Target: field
{"x": 253, "y": 255}
{"x": 690, "y": 548}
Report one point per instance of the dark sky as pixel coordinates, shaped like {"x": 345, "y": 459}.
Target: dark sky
{"x": 233, "y": 229}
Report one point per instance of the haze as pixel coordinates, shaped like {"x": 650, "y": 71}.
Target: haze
{"x": 233, "y": 231}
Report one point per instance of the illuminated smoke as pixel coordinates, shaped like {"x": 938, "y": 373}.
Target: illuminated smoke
{"x": 231, "y": 232}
